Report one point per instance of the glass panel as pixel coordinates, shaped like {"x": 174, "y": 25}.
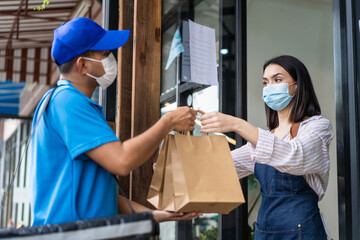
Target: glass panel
{"x": 168, "y": 83}
{"x": 168, "y": 5}
{"x": 205, "y": 226}
{"x": 206, "y": 100}
{"x": 167, "y": 231}
{"x": 169, "y": 76}
{"x": 167, "y": 107}
{"x": 167, "y": 228}
{"x": 205, "y": 12}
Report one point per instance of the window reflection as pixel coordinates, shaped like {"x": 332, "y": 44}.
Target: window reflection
{"x": 167, "y": 5}
{"x": 169, "y": 76}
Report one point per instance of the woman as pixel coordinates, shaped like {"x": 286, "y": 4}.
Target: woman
{"x": 291, "y": 159}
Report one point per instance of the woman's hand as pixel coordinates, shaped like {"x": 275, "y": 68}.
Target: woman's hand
{"x": 221, "y": 123}
{"x": 218, "y": 122}
{"x": 162, "y": 216}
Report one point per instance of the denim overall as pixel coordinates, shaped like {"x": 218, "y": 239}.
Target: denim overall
{"x": 289, "y": 208}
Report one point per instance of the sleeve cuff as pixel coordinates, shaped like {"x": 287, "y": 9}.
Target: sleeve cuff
{"x": 264, "y": 147}
{"x": 92, "y": 144}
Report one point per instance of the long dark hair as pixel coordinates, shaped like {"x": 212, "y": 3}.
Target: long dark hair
{"x": 304, "y": 103}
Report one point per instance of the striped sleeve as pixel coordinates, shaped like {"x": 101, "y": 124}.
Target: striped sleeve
{"x": 307, "y": 153}
{"x": 243, "y": 162}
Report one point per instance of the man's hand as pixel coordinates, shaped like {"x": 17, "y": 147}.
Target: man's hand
{"x": 182, "y": 119}
{"x": 162, "y": 216}
{"x": 122, "y": 157}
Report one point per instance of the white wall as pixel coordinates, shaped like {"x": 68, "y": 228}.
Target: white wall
{"x": 10, "y": 126}
{"x": 302, "y": 28}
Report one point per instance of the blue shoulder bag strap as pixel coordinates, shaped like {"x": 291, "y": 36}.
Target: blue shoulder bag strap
{"x": 5, "y": 195}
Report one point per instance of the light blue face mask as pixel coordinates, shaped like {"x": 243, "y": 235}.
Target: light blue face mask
{"x": 276, "y": 96}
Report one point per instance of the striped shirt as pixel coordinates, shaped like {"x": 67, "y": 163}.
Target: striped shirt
{"x": 307, "y": 154}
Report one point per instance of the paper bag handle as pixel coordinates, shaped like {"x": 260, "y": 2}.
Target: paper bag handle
{"x": 201, "y": 112}
{"x": 197, "y": 122}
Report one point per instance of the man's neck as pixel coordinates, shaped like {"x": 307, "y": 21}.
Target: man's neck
{"x": 80, "y": 84}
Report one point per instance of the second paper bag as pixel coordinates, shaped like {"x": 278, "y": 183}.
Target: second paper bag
{"x": 195, "y": 173}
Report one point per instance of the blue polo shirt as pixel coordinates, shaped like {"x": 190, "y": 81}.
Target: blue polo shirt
{"x": 66, "y": 185}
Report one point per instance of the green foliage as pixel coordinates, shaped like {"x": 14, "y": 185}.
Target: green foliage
{"x": 252, "y": 185}
{"x": 210, "y": 234}
{"x": 42, "y": 7}
{"x": 252, "y": 232}
{"x": 252, "y": 182}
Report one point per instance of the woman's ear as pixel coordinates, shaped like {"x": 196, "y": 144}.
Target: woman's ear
{"x": 294, "y": 89}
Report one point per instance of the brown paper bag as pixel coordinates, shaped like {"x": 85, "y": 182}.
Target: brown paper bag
{"x": 195, "y": 173}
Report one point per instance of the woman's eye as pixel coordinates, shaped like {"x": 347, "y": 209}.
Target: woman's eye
{"x": 265, "y": 83}
{"x": 278, "y": 80}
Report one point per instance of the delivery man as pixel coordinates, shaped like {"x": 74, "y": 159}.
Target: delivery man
{"x": 74, "y": 151}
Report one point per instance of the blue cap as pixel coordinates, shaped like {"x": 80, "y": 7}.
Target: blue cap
{"x": 82, "y": 34}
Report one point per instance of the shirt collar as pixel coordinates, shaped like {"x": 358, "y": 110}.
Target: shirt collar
{"x": 63, "y": 82}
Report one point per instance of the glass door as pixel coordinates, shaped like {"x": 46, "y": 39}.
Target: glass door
{"x": 220, "y": 16}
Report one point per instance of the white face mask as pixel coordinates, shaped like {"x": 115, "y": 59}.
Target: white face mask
{"x": 110, "y": 67}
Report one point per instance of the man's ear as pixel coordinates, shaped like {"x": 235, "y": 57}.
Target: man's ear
{"x": 81, "y": 65}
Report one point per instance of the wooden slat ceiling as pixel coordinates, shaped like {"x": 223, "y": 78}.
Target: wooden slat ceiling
{"x": 26, "y": 35}
{"x": 23, "y": 27}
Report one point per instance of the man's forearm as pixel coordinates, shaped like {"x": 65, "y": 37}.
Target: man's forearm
{"x": 142, "y": 147}
{"x": 123, "y": 206}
